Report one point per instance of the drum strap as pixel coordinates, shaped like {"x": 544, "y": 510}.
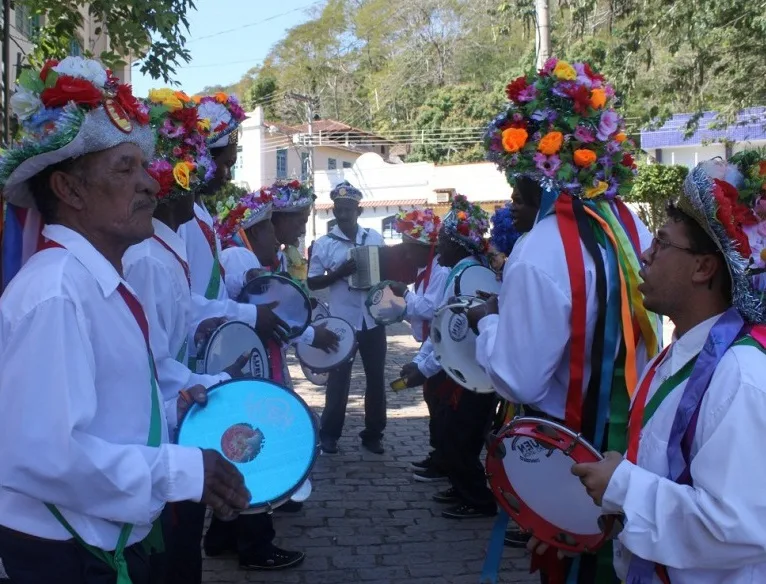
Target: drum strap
{"x": 153, "y": 542}
{"x": 183, "y": 264}
{"x": 217, "y": 273}
{"x": 424, "y": 279}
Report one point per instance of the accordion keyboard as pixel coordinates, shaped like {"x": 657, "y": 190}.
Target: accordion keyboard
{"x": 367, "y": 272}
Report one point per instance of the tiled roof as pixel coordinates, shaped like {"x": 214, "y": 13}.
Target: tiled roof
{"x": 751, "y": 125}
{"x": 383, "y": 203}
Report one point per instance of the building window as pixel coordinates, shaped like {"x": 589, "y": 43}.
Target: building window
{"x": 304, "y": 166}
{"x": 346, "y": 164}
{"x": 282, "y": 163}
{"x": 332, "y": 164}
{"x": 75, "y": 48}
{"x": 239, "y": 164}
{"x": 27, "y": 24}
{"x": 388, "y": 228}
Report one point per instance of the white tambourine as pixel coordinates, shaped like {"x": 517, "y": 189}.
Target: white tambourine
{"x": 316, "y": 360}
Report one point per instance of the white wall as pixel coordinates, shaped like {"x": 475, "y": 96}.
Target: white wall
{"x": 690, "y": 156}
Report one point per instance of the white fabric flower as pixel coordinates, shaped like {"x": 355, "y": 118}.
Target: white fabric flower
{"x": 24, "y": 103}
{"x": 87, "y": 69}
{"x": 215, "y": 112}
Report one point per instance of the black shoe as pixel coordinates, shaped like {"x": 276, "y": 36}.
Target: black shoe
{"x": 273, "y": 558}
{"x": 447, "y": 497}
{"x": 329, "y": 446}
{"x": 423, "y": 464}
{"x": 290, "y": 507}
{"x": 373, "y": 445}
{"x": 516, "y": 538}
{"x": 430, "y": 475}
{"x": 464, "y": 511}
{"x": 220, "y": 539}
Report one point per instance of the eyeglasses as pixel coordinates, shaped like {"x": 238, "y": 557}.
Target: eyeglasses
{"x": 663, "y": 244}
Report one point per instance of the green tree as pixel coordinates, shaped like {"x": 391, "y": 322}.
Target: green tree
{"x": 655, "y": 186}
{"x": 152, "y": 29}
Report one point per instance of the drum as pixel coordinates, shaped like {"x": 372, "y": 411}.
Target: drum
{"x": 455, "y": 345}
{"x": 228, "y": 343}
{"x": 317, "y": 360}
{"x": 529, "y": 468}
{"x": 266, "y": 430}
{"x": 293, "y": 305}
{"x": 320, "y": 311}
{"x": 385, "y": 306}
{"x": 476, "y": 278}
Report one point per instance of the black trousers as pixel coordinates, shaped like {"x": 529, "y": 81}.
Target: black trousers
{"x": 247, "y": 534}
{"x": 372, "y": 348}
{"x": 30, "y": 560}
{"x": 466, "y": 424}
{"x": 437, "y": 399}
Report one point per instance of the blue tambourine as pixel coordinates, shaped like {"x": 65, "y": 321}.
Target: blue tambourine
{"x": 266, "y": 430}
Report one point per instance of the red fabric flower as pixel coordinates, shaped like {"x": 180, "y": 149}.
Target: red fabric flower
{"x": 130, "y": 104}
{"x": 294, "y": 184}
{"x": 46, "y": 69}
{"x": 165, "y": 179}
{"x": 463, "y": 229}
{"x": 187, "y": 117}
{"x": 592, "y": 74}
{"x": 515, "y": 87}
{"x": 733, "y": 215}
{"x": 581, "y": 97}
{"x": 627, "y": 160}
{"x": 68, "y": 89}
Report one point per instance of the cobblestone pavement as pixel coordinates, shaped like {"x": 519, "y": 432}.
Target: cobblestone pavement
{"x": 367, "y": 520}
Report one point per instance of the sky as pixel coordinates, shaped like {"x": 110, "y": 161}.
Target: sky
{"x": 239, "y": 34}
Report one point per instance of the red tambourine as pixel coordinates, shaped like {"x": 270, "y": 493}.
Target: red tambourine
{"x": 529, "y": 468}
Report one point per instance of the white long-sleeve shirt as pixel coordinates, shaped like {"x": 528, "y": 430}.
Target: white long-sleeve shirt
{"x": 201, "y": 259}
{"x": 76, "y": 404}
{"x": 423, "y": 301}
{"x": 714, "y": 531}
{"x": 161, "y": 285}
{"x": 525, "y": 348}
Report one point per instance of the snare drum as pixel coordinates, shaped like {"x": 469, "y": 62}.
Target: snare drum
{"x": 293, "y": 305}
{"x": 266, "y": 430}
{"x": 228, "y": 343}
{"x": 384, "y": 306}
{"x": 317, "y": 360}
{"x": 455, "y": 345}
{"x": 529, "y": 467}
{"x": 476, "y": 278}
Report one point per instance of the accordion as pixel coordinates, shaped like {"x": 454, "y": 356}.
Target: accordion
{"x": 375, "y": 264}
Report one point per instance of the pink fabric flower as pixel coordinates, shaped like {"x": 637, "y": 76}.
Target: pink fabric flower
{"x": 608, "y": 125}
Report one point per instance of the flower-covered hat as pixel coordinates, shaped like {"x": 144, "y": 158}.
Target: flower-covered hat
{"x": 418, "y": 226}
{"x": 711, "y": 198}
{"x": 561, "y": 128}
{"x": 182, "y": 162}
{"x": 233, "y": 214}
{"x": 503, "y": 235}
{"x": 225, "y": 115}
{"x": 291, "y": 197}
{"x": 466, "y": 224}
{"x": 346, "y": 190}
{"x": 68, "y": 109}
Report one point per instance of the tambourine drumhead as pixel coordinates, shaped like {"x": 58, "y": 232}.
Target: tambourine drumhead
{"x": 320, "y": 362}
{"x": 264, "y": 429}
{"x": 321, "y": 310}
{"x": 293, "y": 305}
{"x": 474, "y": 279}
{"x": 228, "y": 343}
{"x": 455, "y": 346}
{"x": 385, "y": 306}
{"x": 529, "y": 466}
{"x": 313, "y": 377}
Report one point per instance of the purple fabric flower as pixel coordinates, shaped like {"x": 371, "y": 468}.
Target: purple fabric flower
{"x": 612, "y": 147}
{"x": 561, "y": 88}
{"x": 548, "y": 165}
{"x": 527, "y": 94}
{"x": 170, "y": 130}
{"x": 549, "y": 66}
{"x": 611, "y": 192}
{"x": 606, "y": 161}
{"x": 610, "y": 121}
{"x": 160, "y": 166}
{"x": 582, "y": 76}
{"x": 584, "y": 135}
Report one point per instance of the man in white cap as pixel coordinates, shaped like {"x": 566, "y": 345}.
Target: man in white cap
{"x": 87, "y": 467}
{"x": 329, "y": 267}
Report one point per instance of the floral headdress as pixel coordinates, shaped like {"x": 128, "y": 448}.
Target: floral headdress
{"x": 346, "y": 190}
{"x": 183, "y": 163}
{"x": 225, "y": 115}
{"x": 66, "y": 110}
{"x": 561, "y": 128}
{"x": 466, "y": 224}
{"x": 504, "y": 234}
{"x": 291, "y": 197}
{"x": 418, "y": 226}
{"x": 233, "y": 215}
{"x": 710, "y": 197}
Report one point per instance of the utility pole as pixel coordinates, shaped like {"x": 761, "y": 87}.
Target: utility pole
{"x": 310, "y": 103}
{"x": 543, "y": 32}
{"x": 7, "y": 72}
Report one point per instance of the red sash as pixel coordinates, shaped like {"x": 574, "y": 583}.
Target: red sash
{"x": 184, "y": 265}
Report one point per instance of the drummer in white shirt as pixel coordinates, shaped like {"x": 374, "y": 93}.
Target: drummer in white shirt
{"x": 329, "y": 267}
{"x": 420, "y": 231}
{"x": 691, "y": 485}
{"x": 87, "y": 466}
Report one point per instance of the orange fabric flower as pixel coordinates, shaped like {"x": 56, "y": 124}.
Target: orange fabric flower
{"x": 462, "y": 216}
{"x": 221, "y": 97}
{"x": 621, "y": 137}
{"x": 598, "y": 98}
{"x": 584, "y": 157}
{"x": 183, "y": 97}
{"x": 551, "y": 143}
{"x": 514, "y": 139}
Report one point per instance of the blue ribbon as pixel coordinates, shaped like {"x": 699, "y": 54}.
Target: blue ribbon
{"x": 491, "y": 567}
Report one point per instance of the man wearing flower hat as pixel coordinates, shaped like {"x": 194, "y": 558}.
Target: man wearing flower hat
{"x": 568, "y": 335}
{"x": 87, "y": 466}
{"x": 329, "y": 267}
{"x": 689, "y": 486}
{"x": 461, "y": 418}
{"x": 292, "y": 206}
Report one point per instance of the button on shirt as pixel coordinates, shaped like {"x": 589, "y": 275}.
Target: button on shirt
{"x": 76, "y": 404}
{"x": 713, "y": 532}
{"x": 328, "y": 255}
{"x": 161, "y": 285}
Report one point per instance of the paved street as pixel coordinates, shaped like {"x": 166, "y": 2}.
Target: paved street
{"x": 367, "y": 520}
